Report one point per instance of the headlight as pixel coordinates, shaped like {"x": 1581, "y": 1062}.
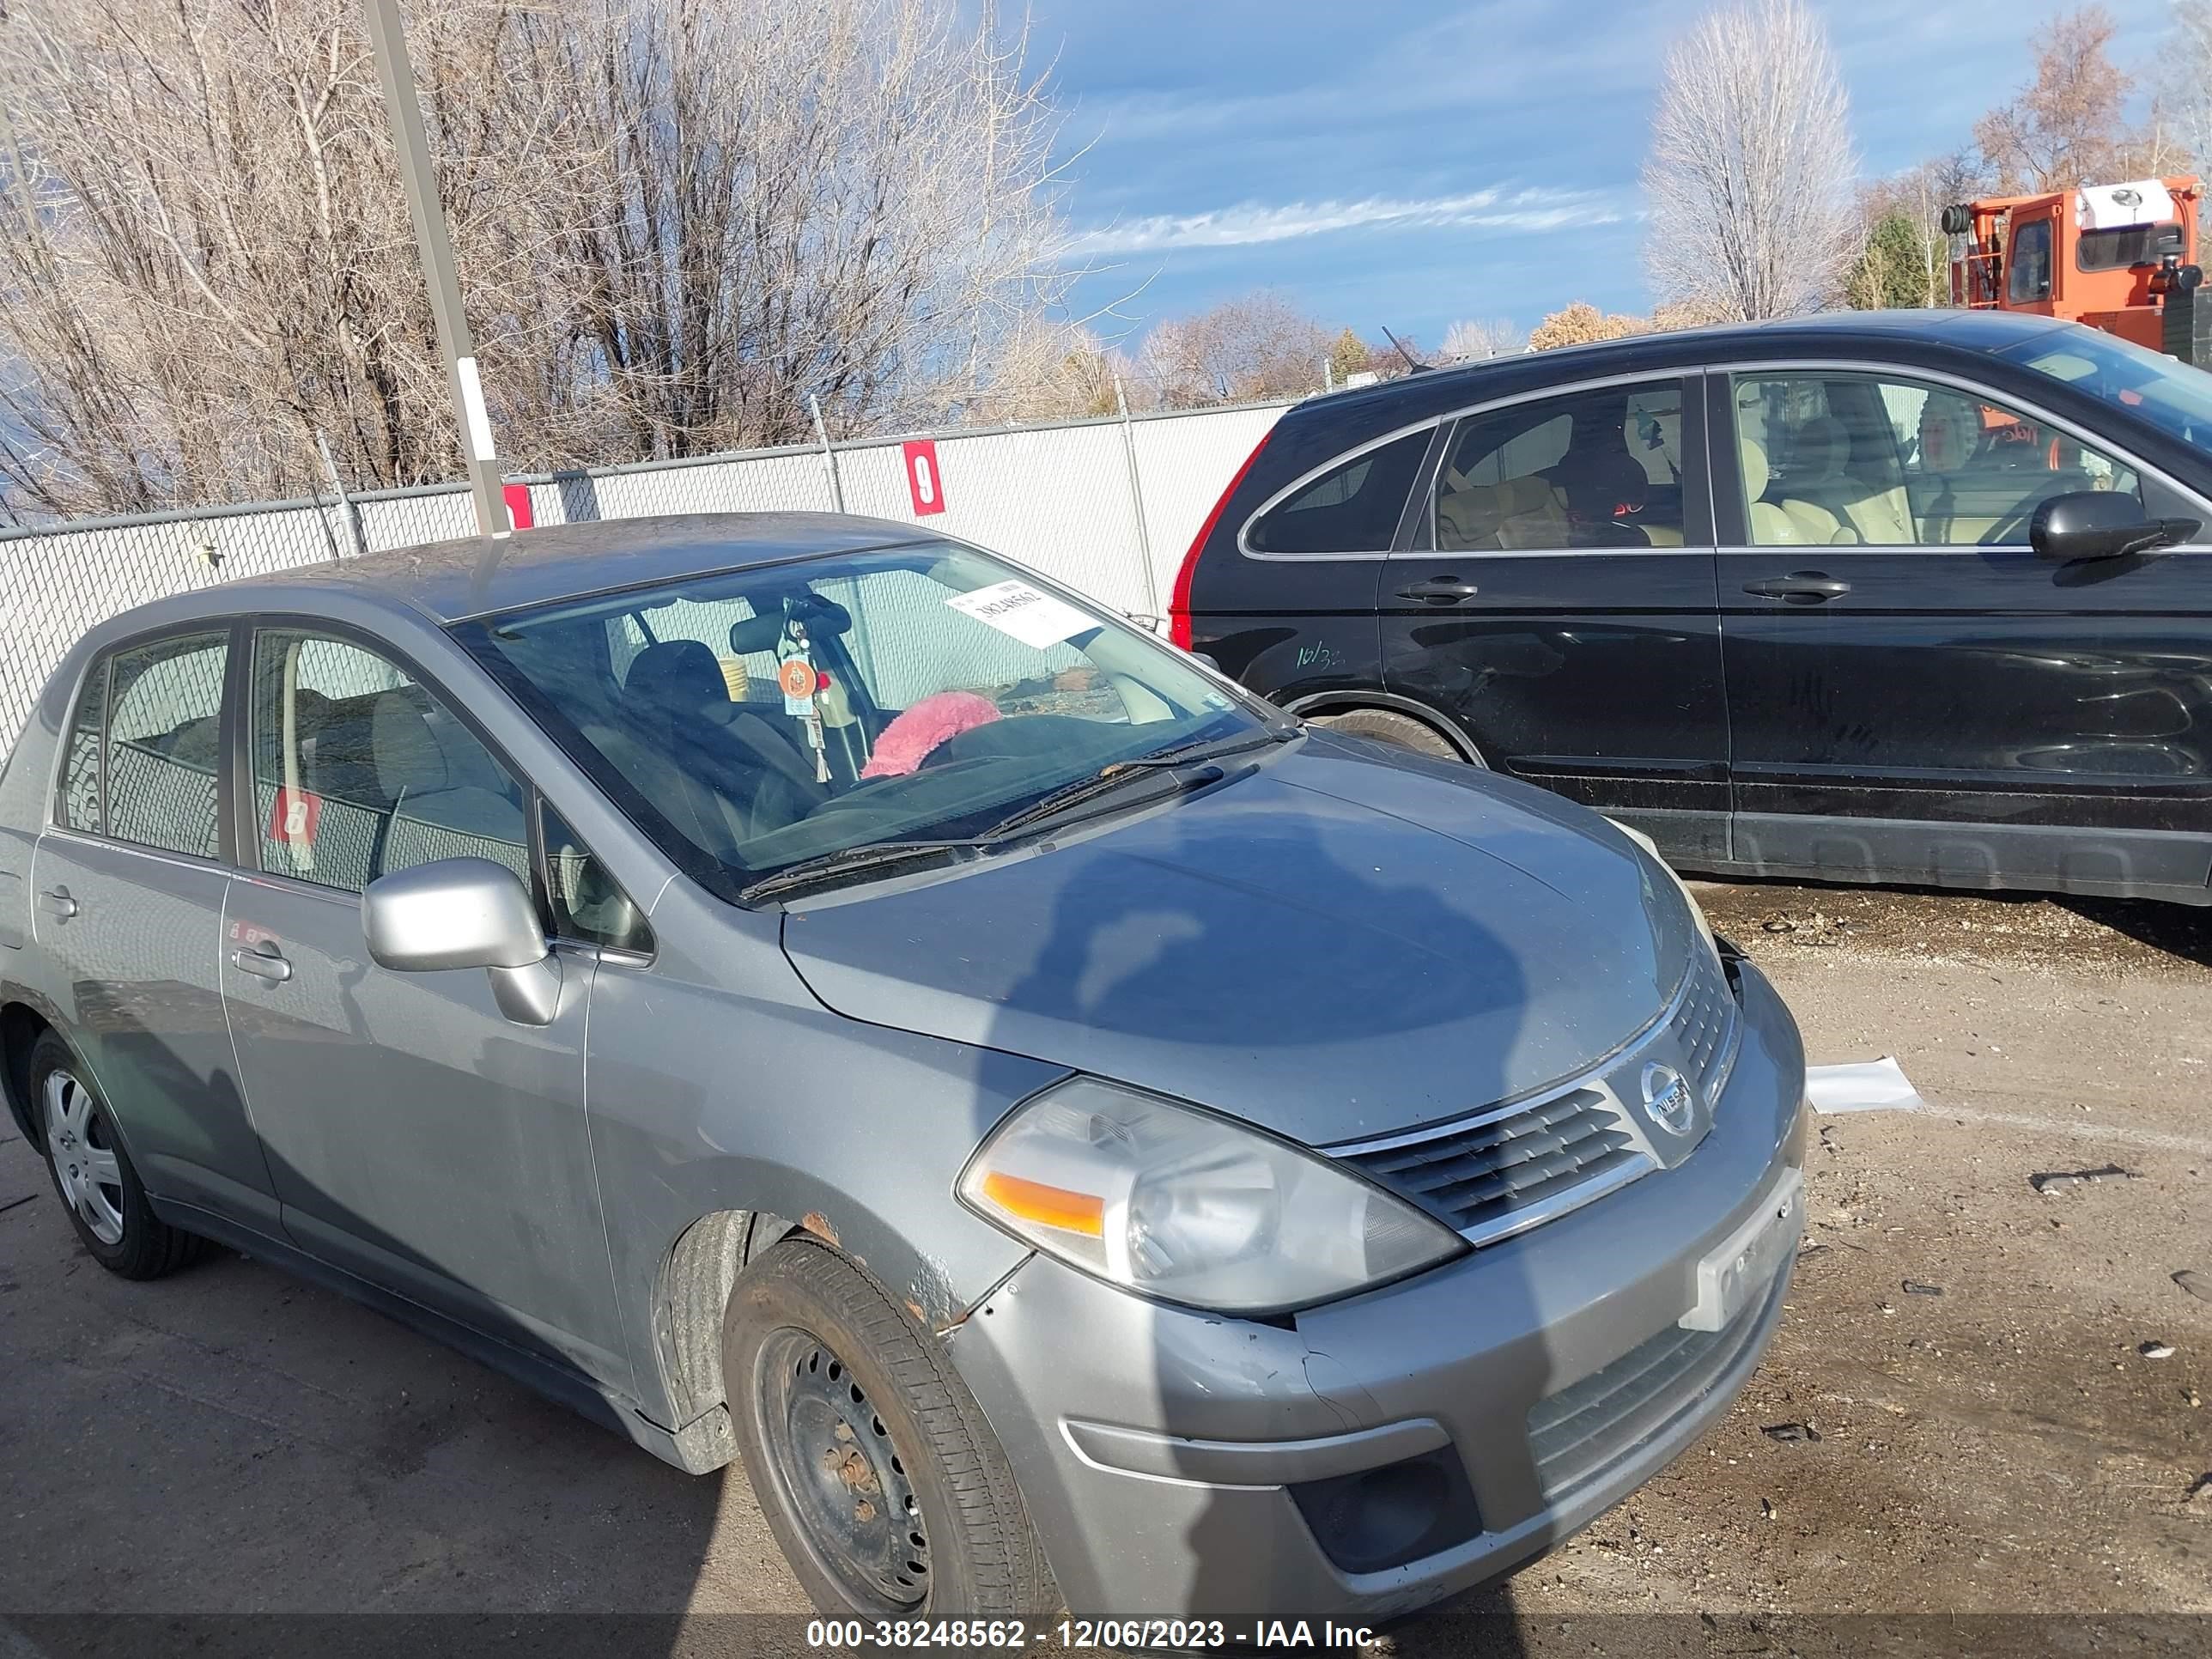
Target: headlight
{"x": 1651, "y": 846}
{"x": 1188, "y": 1208}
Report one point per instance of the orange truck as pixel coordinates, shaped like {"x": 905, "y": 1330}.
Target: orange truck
{"x": 2116, "y": 256}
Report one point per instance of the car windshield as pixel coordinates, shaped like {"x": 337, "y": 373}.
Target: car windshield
{"x": 756, "y": 719}
{"x": 2171, "y": 395}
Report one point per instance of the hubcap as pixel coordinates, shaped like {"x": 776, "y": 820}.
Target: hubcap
{"x": 845, "y": 1483}
{"x": 83, "y": 1156}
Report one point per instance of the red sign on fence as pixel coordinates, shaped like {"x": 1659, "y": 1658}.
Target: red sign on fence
{"x": 295, "y": 816}
{"x": 518, "y": 505}
{"x": 923, "y": 481}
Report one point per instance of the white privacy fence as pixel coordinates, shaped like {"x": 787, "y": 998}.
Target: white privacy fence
{"x": 1108, "y": 506}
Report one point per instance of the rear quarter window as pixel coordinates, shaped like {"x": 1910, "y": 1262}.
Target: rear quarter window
{"x": 1351, "y": 507}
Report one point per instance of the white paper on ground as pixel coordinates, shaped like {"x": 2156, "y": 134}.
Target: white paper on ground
{"x": 1865, "y": 1086}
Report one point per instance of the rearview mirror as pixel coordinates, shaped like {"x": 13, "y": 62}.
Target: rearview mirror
{"x": 465, "y": 913}
{"x": 2100, "y": 524}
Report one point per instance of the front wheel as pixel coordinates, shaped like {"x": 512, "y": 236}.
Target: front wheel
{"x": 871, "y": 1459}
{"x": 1400, "y": 731}
{"x": 93, "y": 1175}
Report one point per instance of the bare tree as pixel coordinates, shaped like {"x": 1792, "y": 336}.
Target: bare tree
{"x": 1474, "y": 338}
{"x": 674, "y": 220}
{"x": 1750, "y": 172}
{"x": 1051, "y": 371}
{"x": 2068, "y": 126}
{"x": 2183, "y": 85}
{"x": 850, "y": 197}
{"x": 1256, "y": 346}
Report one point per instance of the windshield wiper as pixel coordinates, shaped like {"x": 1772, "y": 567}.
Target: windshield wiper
{"x": 1209, "y": 748}
{"x": 1186, "y": 764}
{"x": 1112, "y": 780}
{"x": 853, "y": 861}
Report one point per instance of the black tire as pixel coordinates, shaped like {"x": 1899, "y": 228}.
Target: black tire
{"x": 1400, "y": 731}
{"x": 848, "y": 1413}
{"x": 147, "y": 1246}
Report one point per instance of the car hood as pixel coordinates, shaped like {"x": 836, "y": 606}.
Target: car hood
{"x": 1344, "y": 943}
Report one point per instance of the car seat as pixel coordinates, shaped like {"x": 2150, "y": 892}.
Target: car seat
{"x": 1877, "y": 515}
{"x": 1772, "y": 524}
{"x": 439, "y": 809}
{"x": 1519, "y": 513}
{"x": 678, "y": 703}
{"x": 1602, "y": 485}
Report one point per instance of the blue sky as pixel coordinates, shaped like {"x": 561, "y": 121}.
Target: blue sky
{"x": 1406, "y": 162}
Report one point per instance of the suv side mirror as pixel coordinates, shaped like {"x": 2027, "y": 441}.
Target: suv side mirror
{"x": 2100, "y": 524}
{"x": 465, "y": 913}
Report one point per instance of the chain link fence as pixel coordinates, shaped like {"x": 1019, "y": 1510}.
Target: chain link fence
{"x": 1107, "y": 506}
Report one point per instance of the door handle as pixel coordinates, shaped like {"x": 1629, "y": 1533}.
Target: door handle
{"x": 57, "y": 902}
{"x": 262, "y": 965}
{"x": 1800, "y": 587}
{"x": 1439, "y": 590}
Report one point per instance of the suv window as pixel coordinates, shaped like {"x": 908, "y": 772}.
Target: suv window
{"x": 164, "y": 742}
{"x": 359, "y": 771}
{"x": 1601, "y": 468}
{"x": 1353, "y": 508}
{"x": 1849, "y": 460}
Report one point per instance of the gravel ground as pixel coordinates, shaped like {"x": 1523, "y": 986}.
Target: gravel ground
{"x": 231, "y": 1441}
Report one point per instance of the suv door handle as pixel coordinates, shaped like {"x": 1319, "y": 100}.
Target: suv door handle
{"x": 1439, "y": 590}
{"x": 262, "y": 965}
{"x": 57, "y": 902}
{"x": 1800, "y": 586}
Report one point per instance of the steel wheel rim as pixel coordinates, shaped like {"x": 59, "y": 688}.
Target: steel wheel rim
{"x": 82, "y": 1153}
{"x": 840, "y": 1477}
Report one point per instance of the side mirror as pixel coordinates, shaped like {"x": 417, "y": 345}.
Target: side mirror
{"x": 2100, "y": 524}
{"x": 465, "y": 913}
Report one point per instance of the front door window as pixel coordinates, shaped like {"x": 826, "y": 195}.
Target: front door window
{"x": 359, "y": 771}
{"x": 1851, "y": 460}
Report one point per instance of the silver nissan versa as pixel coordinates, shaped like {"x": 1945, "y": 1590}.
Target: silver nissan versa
{"x": 805, "y": 991}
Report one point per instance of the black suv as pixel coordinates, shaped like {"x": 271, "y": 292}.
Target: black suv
{"x": 1903, "y": 596}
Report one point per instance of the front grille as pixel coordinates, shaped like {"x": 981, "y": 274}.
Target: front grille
{"x": 1708, "y": 1025}
{"x": 1500, "y": 1173}
{"x": 1588, "y": 1426}
{"x": 1506, "y": 1169}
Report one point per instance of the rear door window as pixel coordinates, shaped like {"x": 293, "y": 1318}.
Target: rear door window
{"x": 1352, "y": 507}
{"x": 1601, "y": 468}
{"x": 164, "y": 743}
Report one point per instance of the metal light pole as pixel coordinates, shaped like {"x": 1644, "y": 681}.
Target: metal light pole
{"x": 436, "y": 248}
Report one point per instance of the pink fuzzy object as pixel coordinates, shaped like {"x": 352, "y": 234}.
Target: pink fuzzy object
{"x": 907, "y": 741}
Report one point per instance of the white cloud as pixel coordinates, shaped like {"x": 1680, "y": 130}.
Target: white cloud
{"x": 1250, "y": 222}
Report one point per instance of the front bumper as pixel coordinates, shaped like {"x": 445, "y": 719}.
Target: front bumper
{"x": 1165, "y": 1456}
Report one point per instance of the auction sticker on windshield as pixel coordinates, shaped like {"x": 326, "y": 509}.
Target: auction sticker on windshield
{"x": 1028, "y": 614}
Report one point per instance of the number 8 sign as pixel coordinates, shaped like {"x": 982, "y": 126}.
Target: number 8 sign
{"x": 924, "y": 482}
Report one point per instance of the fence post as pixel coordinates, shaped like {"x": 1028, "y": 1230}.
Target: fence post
{"x": 828, "y": 455}
{"x": 346, "y": 515}
{"x": 1137, "y": 500}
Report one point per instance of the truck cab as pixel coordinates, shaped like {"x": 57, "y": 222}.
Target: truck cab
{"x": 2106, "y": 255}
